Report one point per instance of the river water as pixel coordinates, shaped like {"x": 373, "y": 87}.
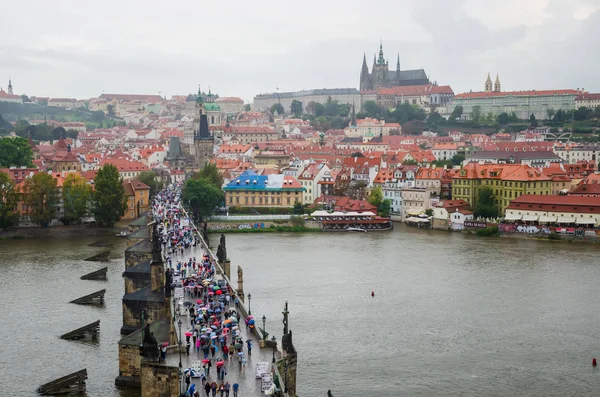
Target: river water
{"x": 452, "y": 315}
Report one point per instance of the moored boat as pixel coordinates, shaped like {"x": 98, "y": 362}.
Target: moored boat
{"x": 352, "y": 221}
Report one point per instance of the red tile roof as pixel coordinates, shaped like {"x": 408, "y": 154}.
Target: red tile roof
{"x": 555, "y": 203}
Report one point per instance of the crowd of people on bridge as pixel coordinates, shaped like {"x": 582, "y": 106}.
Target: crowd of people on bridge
{"x": 214, "y": 334}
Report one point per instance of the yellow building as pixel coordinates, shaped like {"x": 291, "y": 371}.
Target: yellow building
{"x": 507, "y": 182}
{"x": 138, "y": 198}
{"x": 252, "y": 190}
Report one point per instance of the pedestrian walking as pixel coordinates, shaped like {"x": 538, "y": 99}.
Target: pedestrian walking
{"x": 249, "y": 343}
{"x": 207, "y": 389}
{"x": 236, "y": 387}
{"x": 227, "y": 387}
{"x": 213, "y": 388}
{"x": 221, "y": 389}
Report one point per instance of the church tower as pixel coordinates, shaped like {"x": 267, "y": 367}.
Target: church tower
{"x": 380, "y": 70}
{"x": 497, "y": 84}
{"x": 10, "y": 89}
{"x": 203, "y": 141}
{"x": 488, "y": 84}
{"x": 364, "y": 75}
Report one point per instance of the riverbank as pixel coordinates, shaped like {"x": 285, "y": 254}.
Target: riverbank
{"x": 275, "y": 229}
{"x": 55, "y": 231}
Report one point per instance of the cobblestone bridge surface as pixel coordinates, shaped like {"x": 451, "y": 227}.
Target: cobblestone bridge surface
{"x": 249, "y": 385}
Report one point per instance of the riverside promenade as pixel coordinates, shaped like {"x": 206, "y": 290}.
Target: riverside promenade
{"x": 245, "y": 377}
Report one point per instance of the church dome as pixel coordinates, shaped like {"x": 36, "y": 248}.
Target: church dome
{"x": 212, "y": 107}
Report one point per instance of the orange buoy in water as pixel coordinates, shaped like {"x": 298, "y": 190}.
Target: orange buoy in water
{"x": 593, "y": 362}
{"x": 373, "y": 294}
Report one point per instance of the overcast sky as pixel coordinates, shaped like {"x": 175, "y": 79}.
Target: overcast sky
{"x": 65, "y": 48}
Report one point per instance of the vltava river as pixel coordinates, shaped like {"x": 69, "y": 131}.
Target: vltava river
{"x": 452, "y": 315}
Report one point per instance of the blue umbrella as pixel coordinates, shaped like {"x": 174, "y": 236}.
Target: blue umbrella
{"x": 251, "y": 322}
{"x": 190, "y": 371}
{"x": 213, "y": 326}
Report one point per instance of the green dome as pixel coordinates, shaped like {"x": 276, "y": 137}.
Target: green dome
{"x": 212, "y": 107}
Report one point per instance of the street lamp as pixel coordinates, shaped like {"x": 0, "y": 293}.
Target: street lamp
{"x": 180, "y": 366}
{"x": 264, "y": 318}
{"x": 274, "y": 340}
{"x": 249, "y": 299}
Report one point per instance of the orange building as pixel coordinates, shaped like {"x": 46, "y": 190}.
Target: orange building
{"x": 138, "y": 198}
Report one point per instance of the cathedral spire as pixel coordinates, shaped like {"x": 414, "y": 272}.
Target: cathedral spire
{"x": 10, "y": 88}
{"x": 497, "y": 86}
{"x": 381, "y": 59}
{"x": 398, "y": 63}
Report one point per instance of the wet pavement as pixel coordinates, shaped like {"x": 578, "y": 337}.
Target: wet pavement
{"x": 249, "y": 385}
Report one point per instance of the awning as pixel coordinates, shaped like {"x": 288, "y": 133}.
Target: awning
{"x": 565, "y": 220}
{"x": 416, "y": 220}
{"x": 547, "y": 219}
{"x": 586, "y": 221}
{"x": 415, "y": 212}
{"x": 530, "y": 218}
{"x": 512, "y": 217}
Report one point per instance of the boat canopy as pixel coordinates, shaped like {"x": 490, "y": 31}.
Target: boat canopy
{"x": 513, "y": 217}
{"x": 586, "y": 221}
{"x": 530, "y": 218}
{"x": 563, "y": 219}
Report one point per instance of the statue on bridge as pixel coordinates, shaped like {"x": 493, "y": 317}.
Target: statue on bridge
{"x": 285, "y": 313}
{"x": 222, "y": 250}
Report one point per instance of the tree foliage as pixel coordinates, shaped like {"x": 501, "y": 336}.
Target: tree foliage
{"x": 8, "y": 201}
{"x": 58, "y": 132}
{"x": 456, "y": 113}
{"x": 15, "y": 151}
{"x": 503, "y": 118}
{"x": 278, "y": 107}
{"x": 533, "y": 121}
{"x": 247, "y": 107}
{"x": 211, "y": 173}
{"x": 202, "y": 197}
{"x": 40, "y": 194}
{"x": 76, "y": 195}
{"x": 486, "y": 207}
{"x": 149, "y": 178}
{"x": 383, "y": 205}
{"x": 476, "y": 114}
{"x": 296, "y": 108}
{"x": 110, "y": 202}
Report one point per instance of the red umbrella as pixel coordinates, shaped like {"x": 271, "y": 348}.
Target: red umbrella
{"x": 216, "y": 323}
{"x": 220, "y": 363}
{"x": 219, "y": 292}
{"x": 205, "y": 361}
{"x": 165, "y": 344}
{"x": 188, "y": 334}
{"x": 199, "y": 301}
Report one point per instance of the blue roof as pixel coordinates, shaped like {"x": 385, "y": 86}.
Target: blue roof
{"x": 249, "y": 180}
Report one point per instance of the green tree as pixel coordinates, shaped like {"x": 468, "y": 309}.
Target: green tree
{"x": 8, "y": 201}
{"x": 533, "y": 121}
{"x": 43, "y": 102}
{"x": 298, "y": 208}
{"x": 110, "y": 202}
{"x": 247, "y": 107}
{"x": 202, "y": 197}
{"x": 476, "y": 114}
{"x": 73, "y": 134}
{"x": 211, "y": 173}
{"x": 383, "y": 205}
{"x": 583, "y": 113}
{"x": 99, "y": 115}
{"x": 434, "y": 118}
{"x": 110, "y": 109}
{"x": 372, "y": 109}
{"x": 457, "y": 159}
{"x": 58, "y": 132}
{"x": 25, "y": 98}
{"x": 76, "y": 195}
{"x": 485, "y": 207}
{"x": 15, "y": 151}
{"x": 40, "y": 194}
{"x": 503, "y": 118}
{"x": 149, "y": 178}
{"x": 278, "y": 107}
{"x": 296, "y": 107}
{"x": 456, "y": 113}
{"x": 550, "y": 113}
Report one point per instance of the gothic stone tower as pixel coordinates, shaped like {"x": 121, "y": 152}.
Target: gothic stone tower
{"x": 380, "y": 70}
{"x": 203, "y": 141}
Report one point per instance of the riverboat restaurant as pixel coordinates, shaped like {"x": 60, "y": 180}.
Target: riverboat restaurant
{"x": 551, "y": 210}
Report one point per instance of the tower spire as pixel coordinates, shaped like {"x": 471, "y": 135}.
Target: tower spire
{"x": 353, "y": 117}
{"x": 488, "y": 83}
{"x": 10, "y": 88}
{"x": 497, "y": 86}
{"x": 381, "y": 59}
{"x": 398, "y": 63}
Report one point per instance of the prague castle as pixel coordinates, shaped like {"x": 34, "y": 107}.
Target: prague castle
{"x": 381, "y": 76}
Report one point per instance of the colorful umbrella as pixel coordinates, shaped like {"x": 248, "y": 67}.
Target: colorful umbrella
{"x": 188, "y": 334}
{"x": 205, "y": 361}
{"x": 191, "y": 371}
{"x": 219, "y": 292}
{"x": 220, "y": 363}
